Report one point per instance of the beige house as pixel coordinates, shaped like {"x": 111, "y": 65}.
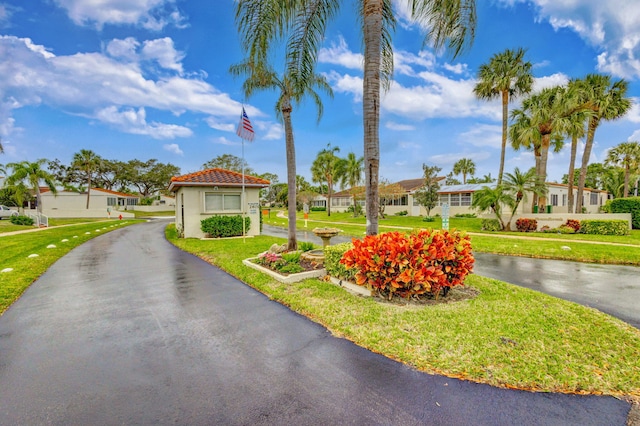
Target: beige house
{"x": 102, "y": 203}
{"x": 215, "y": 192}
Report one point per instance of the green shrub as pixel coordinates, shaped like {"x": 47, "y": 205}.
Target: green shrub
{"x": 21, "y": 220}
{"x": 491, "y": 225}
{"x": 332, "y": 256}
{"x": 604, "y": 227}
{"x": 224, "y": 226}
{"x": 292, "y": 256}
{"x": 466, "y": 215}
{"x": 402, "y": 213}
{"x": 626, "y": 205}
{"x": 290, "y": 268}
{"x": 318, "y": 209}
{"x": 306, "y": 246}
{"x": 428, "y": 219}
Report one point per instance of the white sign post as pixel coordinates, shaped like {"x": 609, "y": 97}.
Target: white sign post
{"x": 445, "y": 216}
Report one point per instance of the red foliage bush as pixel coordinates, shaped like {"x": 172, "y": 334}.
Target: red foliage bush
{"x": 405, "y": 265}
{"x": 526, "y": 225}
{"x": 572, "y": 223}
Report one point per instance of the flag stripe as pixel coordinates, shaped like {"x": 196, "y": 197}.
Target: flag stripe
{"x": 245, "y": 130}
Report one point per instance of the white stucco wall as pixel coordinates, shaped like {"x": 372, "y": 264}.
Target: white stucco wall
{"x": 190, "y": 204}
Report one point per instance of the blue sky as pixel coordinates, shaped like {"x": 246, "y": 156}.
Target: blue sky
{"x": 149, "y": 79}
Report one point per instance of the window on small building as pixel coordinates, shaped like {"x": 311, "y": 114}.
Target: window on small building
{"x": 455, "y": 200}
{"x": 564, "y": 199}
{"x": 132, "y": 201}
{"x": 443, "y": 199}
{"x": 221, "y": 202}
{"x": 594, "y": 199}
{"x": 465, "y": 199}
{"x": 554, "y": 199}
{"x": 111, "y": 201}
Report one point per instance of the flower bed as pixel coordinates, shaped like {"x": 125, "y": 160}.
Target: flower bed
{"x": 285, "y": 267}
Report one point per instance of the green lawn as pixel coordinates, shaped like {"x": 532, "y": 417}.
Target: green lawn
{"x": 507, "y": 336}
{"x": 543, "y": 245}
{"x": 15, "y": 249}
{"x": 141, "y": 214}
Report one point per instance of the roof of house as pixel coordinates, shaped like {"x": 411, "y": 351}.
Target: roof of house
{"x": 216, "y": 177}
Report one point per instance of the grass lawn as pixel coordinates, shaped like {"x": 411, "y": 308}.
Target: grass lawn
{"x": 541, "y": 245}
{"x": 507, "y": 336}
{"x": 15, "y": 249}
{"x": 141, "y": 214}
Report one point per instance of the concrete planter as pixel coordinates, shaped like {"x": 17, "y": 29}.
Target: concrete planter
{"x": 287, "y": 279}
{"x": 352, "y": 287}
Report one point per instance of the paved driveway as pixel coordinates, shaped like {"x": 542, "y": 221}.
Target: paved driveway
{"x": 127, "y": 329}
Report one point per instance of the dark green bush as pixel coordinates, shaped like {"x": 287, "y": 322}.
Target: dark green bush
{"x": 332, "y": 256}
{"x": 604, "y": 227}
{"x": 306, "y": 246}
{"x": 21, "y": 220}
{"x": 402, "y": 213}
{"x": 428, "y": 219}
{"x": 466, "y": 215}
{"x": 318, "y": 209}
{"x": 224, "y": 226}
{"x": 626, "y": 205}
{"x": 491, "y": 225}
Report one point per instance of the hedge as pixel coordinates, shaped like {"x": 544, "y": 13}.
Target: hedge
{"x": 627, "y": 205}
{"x": 332, "y": 256}
{"x": 21, "y": 220}
{"x": 491, "y": 225}
{"x": 604, "y": 227}
{"x": 224, "y": 226}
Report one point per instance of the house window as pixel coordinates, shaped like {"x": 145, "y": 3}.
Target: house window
{"x": 554, "y": 199}
{"x": 564, "y": 199}
{"x": 132, "y": 201}
{"x": 465, "y": 199}
{"x": 111, "y": 201}
{"x": 443, "y": 199}
{"x": 221, "y": 202}
{"x": 594, "y": 199}
{"x": 455, "y": 200}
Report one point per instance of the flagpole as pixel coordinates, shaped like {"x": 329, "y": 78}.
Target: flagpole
{"x": 244, "y": 233}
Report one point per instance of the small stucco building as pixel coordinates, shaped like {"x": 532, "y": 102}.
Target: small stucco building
{"x": 215, "y": 192}
{"x": 102, "y": 203}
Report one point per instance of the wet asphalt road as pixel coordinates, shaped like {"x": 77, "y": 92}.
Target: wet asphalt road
{"x": 127, "y": 329}
{"x": 613, "y": 289}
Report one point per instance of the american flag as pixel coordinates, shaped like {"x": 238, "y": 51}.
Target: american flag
{"x": 245, "y": 131}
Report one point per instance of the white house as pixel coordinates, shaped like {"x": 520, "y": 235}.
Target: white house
{"x": 214, "y": 192}
{"x": 102, "y": 203}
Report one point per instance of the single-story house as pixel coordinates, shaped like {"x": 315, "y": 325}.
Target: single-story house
{"x": 214, "y": 192}
{"x": 102, "y": 203}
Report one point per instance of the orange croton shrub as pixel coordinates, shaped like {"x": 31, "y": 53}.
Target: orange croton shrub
{"x": 405, "y": 265}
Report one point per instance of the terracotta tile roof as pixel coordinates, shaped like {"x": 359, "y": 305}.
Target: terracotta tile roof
{"x": 219, "y": 177}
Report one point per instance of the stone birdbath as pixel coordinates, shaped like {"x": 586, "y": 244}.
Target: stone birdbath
{"x": 326, "y": 234}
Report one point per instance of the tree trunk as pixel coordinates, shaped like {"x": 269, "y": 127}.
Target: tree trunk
{"x": 505, "y": 116}
{"x": 292, "y": 243}
{"x": 88, "y": 190}
{"x": 38, "y": 199}
{"x": 626, "y": 180}
{"x": 593, "y": 124}
{"x": 372, "y": 12}
{"x": 570, "y": 198}
{"x": 329, "y": 191}
{"x": 538, "y": 159}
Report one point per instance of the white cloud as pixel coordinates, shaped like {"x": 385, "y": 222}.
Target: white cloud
{"x": 113, "y": 84}
{"x": 557, "y": 79}
{"x": 483, "y": 135}
{"x": 134, "y": 121}
{"x": 340, "y": 54}
{"x": 150, "y": 14}
{"x": 404, "y": 62}
{"x": 611, "y": 26}
{"x": 224, "y": 141}
{"x": 269, "y": 130}
{"x": 214, "y": 123}
{"x": 399, "y": 127}
{"x": 634, "y": 113}
{"x": 173, "y": 147}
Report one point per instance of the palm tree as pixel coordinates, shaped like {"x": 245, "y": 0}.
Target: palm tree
{"x": 352, "y": 177}
{"x": 1, "y": 147}
{"x": 464, "y": 166}
{"x": 626, "y": 155}
{"x": 605, "y": 100}
{"x": 86, "y": 161}
{"x": 539, "y": 124}
{"x": 451, "y": 23}
{"x": 292, "y": 89}
{"x": 518, "y": 184}
{"x": 33, "y": 174}
{"x": 328, "y": 168}
{"x": 505, "y": 76}
{"x": 493, "y": 199}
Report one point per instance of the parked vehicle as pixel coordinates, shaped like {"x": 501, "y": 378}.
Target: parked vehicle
{"x": 6, "y": 212}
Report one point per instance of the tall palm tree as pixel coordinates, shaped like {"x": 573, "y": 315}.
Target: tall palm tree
{"x": 328, "y": 168}
{"x": 493, "y": 200}
{"x": 352, "y": 177}
{"x": 32, "y": 174}
{"x": 606, "y": 100}
{"x": 464, "y": 167}
{"x": 627, "y": 156}
{"x": 540, "y": 124}
{"x": 291, "y": 90}
{"x": 86, "y": 161}
{"x": 303, "y": 24}
{"x": 506, "y": 75}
